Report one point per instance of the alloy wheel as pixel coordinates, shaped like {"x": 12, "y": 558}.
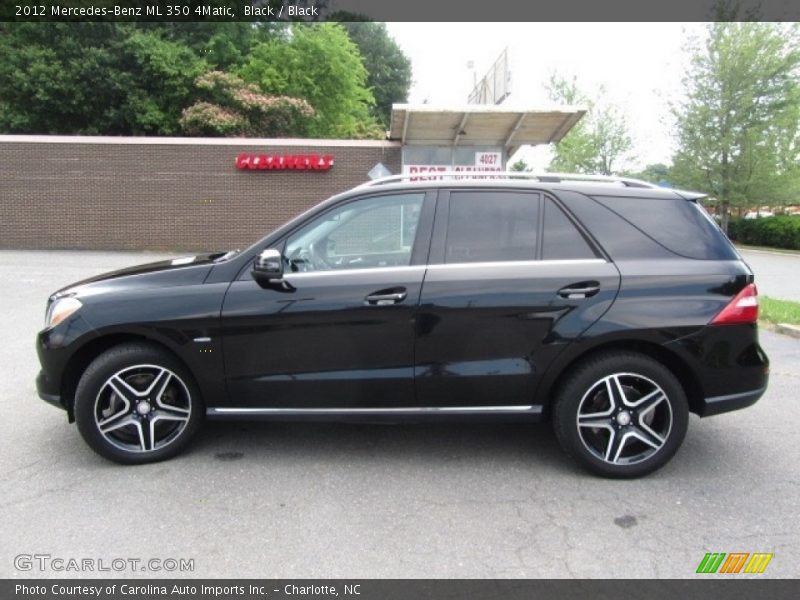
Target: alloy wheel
{"x": 624, "y": 418}
{"x": 142, "y": 408}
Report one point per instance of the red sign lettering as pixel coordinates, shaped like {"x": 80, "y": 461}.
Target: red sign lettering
{"x": 283, "y": 162}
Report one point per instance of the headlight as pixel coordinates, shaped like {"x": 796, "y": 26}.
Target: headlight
{"x": 59, "y": 310}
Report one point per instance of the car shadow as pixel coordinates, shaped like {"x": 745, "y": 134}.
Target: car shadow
{"x": 529, "y": 444}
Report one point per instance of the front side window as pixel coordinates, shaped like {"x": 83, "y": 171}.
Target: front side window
{"x": 492, "y": 227}
{"x": 369, "y": 233}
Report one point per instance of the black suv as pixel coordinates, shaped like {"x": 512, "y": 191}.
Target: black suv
{"x": 611, "y": 307}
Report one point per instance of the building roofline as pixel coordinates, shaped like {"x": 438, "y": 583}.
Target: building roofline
{"x": 194, "y": 141}
{"x": 506, "y": 107}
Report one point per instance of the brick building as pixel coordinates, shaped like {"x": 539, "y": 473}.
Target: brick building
{"x": 163, "y": 193}
{"x": 187, "y": 194}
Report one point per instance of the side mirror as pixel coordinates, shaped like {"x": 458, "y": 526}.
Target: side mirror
{"x": 268, "y": 267}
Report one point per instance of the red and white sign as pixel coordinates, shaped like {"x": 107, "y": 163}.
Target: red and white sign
{"x": 429, "y": 172}
{"x": 284, "y": 162}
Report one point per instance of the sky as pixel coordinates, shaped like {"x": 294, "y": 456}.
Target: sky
{"x": 640, "y": 65}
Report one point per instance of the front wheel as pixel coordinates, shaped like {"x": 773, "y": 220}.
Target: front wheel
{"x": 136, "y": 403}
{"x": 621, "y": 415}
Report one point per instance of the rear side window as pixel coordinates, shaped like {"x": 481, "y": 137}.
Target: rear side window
{"x": 562, "y": 240}
{"x": 492, "y": 227}
{"x": 678, "y": 225}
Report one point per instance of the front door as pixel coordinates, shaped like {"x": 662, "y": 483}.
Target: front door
{"x": 340, "y": 334}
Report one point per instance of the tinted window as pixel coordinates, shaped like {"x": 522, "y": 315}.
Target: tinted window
{"x": 677, "y": 224}
{"x": 562, "y": 240}
{"x": 492, "y": 226}
{"x": 619, "y": 239}
{"x": 375, "y": 232}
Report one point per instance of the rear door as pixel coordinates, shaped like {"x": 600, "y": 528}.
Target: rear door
{"x": 512, "y": 280}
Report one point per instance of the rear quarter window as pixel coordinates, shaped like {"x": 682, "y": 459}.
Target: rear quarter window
{"x": 679, "y": 225}
{"x": 562, "y": 240}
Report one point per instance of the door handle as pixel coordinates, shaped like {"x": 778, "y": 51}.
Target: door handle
{"x": 584, "y": 289}
{"x": 386, "y": 297}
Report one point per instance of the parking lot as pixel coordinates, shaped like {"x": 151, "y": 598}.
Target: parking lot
{"x": 776, "y": 272}
{"x": 333, "y": 500}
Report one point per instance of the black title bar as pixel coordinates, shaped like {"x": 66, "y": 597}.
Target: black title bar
{"x": 270, "y": 11}
{"x": 702, "y": 587}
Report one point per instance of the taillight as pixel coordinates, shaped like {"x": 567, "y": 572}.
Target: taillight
{"x": 742, "y": 309}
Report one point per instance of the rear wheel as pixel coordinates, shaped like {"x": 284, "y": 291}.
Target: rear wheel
{"x": 621, "y": 415}
{"x": 136, "y": 403}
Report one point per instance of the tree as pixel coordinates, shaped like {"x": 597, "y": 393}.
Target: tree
{"x": 118, "y": 78}
{"x": 90, "y": 78}
{"x": 388, "y": 68}
{"x": 53, "y": 81}
{"x": 737, "y": 127}
{"x": 519, "y": 165}
{"x": 222, "y": 45}
{"x": 732, "y": 10}
{"x": 654, "y": 173}
{"x": 159, "y": 83}
{"x": 319, "y": 63}
{"x": 234, "y": 108}
{"x": 600, "y": 139}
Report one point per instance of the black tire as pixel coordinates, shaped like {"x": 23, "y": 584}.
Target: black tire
{"x": 172, "y": 411}
{"x": 593, "y": 388}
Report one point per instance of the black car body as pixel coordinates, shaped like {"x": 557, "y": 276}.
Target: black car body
{"x": 432, "y": 298}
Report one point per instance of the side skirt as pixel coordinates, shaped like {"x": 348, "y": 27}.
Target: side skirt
{"x": 512, "y": 413}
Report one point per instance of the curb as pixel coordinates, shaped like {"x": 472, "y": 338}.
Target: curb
{"x": 784, "y": 328}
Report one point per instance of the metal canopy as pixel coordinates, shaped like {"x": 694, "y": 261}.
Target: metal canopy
{"x": 481, "y": 125}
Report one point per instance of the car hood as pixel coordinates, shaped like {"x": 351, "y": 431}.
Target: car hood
{"x": 185, "y": 270}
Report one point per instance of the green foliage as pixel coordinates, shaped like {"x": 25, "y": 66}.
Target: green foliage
{"x": 519, "y": 165}
{"x": 778, "y": 311}
{"x": 599, "y": 140}
{"x": 164, "y": 72}
{"x": 732, "y": 10}
{"x": 778, "y": 231}
{"x": 235, "y": 108}
{"x": 53, "y": 81}
{"x": 93, "y": 78}
{"x": 320, "y": 63}
{"x": 738, "y": 132}
{"x": 655, "y": 173}
{"x": 388, "y": 68}
{"x": 140, "y": 79}
{"x": 223, "y": 45}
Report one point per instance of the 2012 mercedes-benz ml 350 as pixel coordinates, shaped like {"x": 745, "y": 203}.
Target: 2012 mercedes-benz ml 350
{"x": 612, "y": 308}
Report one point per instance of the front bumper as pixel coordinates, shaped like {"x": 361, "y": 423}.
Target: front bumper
{"x": 47, "y": 391}
{"x": 55, "y": 348}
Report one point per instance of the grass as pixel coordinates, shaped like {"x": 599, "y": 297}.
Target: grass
{"x": 779, "y": 311}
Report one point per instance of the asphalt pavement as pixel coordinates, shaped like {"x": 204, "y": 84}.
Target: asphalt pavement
{"x": 294, "y": 500}
{"x": 777, "y": 273}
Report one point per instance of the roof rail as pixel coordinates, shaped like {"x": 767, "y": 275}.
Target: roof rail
{"x": 482, "y": 175}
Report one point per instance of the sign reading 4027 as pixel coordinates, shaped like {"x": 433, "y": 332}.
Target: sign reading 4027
{"x": 488, "y": 159}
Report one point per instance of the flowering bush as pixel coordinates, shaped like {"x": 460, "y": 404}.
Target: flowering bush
{"x": 237, "y": 108}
